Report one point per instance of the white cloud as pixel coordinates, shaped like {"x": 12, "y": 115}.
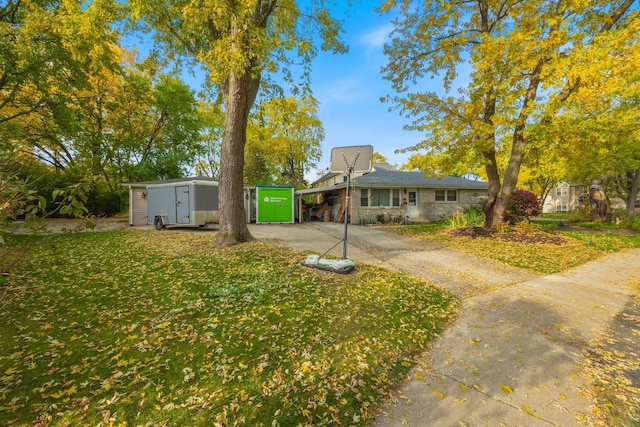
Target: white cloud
{"x": 375, "y": 39}
{"x": 347, "y": 89}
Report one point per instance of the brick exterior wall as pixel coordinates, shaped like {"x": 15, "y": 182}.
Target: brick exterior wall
{"x": 428, "y": 208}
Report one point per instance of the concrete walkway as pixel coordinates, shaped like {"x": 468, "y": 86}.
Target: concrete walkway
{"x": 514, "y": 355}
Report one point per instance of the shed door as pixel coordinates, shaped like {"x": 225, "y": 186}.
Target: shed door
{"x": 182, "y": 205}
{"x": 274, "y": 205}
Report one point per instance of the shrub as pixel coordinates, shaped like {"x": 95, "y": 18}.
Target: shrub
{"x": 624, "y": 221}
{"x": 105, "y": 203}
{"x": 456, "y": 220}
{"x": 523, "y": 204}
{"x": 475, "y": 215}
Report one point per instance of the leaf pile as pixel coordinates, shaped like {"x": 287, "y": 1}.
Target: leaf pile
{"x": 166, "y": 329}
{"x": 527, "y": 238}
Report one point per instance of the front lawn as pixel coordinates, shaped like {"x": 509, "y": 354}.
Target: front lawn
{"x": 531, "y": 247}
{"x": 127, "y": 328}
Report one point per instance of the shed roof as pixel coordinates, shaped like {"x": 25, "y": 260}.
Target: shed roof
{"x": 168, "y": 181}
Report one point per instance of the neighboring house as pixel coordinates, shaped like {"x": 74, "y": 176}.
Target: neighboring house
{"x": 565, "y": 197}
{"x": 386, "y": 193}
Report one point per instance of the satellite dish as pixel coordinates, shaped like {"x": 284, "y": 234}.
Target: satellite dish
{"x": 353, "y": 159}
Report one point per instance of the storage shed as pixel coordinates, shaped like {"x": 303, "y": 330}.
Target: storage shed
{"x": 185, "y": 202}
{"x": 274, "y": 204}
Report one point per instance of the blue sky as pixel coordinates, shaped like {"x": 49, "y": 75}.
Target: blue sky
{"x": 349, "y": 88}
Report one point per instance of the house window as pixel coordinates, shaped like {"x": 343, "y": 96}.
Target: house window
{"x": 446, "y": 196}
{"x": 562, "y": 206}
{"x": 380, "y": 197}
{"x": 396, "y": 197}
{"x": 561, "y": 191}
{"x": 637, "y": 203}
{"x": 364, "y": 197}
{"x": 413, "y": 198}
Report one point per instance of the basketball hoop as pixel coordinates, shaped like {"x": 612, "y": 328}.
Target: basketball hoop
{"x": 354, "y": 159}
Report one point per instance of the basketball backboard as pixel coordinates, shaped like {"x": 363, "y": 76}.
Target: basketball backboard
{"x": 356, "y": 158}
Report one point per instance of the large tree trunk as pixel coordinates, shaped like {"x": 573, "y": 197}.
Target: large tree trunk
{"x": 510, "y": 180}
{"x": 499, "y": 200}
{"x": 491, "y": 168}
{"x": 239, "y": 94}
{"x": 633, "y": 178}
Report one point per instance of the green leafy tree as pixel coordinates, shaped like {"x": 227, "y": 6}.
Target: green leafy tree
{"x": 605, "y": 137}
{"x": 46, "y": 50}
{"x": 378, "y": 159}
{"x": 283, "y": 142}
{"x": 212, "y": 129}
{"x": 126, "y": 122}
{"x": 132, "y": 124}
{"x": 239, "y": 43}
{"x": 526, "y": 61}
{"x": 157, "y": 128}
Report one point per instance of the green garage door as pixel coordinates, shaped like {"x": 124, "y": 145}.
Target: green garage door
{"x": 274, "y": 204}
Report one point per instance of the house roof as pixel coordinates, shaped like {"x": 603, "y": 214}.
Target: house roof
{"x": 324, "y": 177}
{"x": 388, "y": 177}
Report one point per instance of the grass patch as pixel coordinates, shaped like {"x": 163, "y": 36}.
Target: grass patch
{"x": 420, "y": 229}
{"x": 565, "y": 216}
{"x": 166, "y": 329}
{"x": 576, "y": 219}
{"x": 580, "y": 247}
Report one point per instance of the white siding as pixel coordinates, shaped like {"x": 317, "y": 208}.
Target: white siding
{"x": 138, "y": 205}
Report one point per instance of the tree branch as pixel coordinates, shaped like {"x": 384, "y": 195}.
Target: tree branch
{"x": 154, "y": 133}
{"x": 263, "y": 10}
{"x": 617, "y": 15}
{"x": 16, "y": 115}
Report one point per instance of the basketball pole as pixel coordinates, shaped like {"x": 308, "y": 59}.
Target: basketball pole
{"x": 349, "y": 169}
{"x": 346, "y": 214}
{"x": 345, "y": 154}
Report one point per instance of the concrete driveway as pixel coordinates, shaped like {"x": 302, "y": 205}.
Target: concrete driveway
{"x": 462, "y": 274}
